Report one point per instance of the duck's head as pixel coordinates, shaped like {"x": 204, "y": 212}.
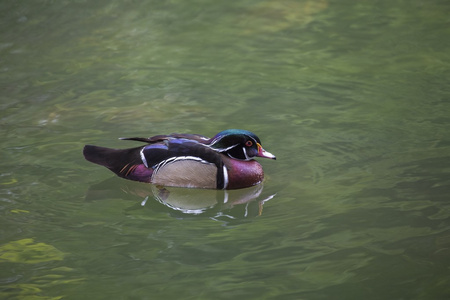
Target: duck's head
{"x": 239, "y": 144}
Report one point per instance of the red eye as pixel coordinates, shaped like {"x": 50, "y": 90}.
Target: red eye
{"x": 248, "y": 143}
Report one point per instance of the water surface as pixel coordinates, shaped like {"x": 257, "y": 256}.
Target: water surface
{"x": 352, "y": 98}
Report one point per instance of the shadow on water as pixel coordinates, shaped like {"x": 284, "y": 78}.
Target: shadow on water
{"x": 184, "y": 202}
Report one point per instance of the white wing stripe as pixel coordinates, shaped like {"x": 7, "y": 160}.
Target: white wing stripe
{"x": 225, "y": 177}
{"x": 143, "y": 157}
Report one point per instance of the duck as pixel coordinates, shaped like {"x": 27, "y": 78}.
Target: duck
{"x": 225, "y": 161}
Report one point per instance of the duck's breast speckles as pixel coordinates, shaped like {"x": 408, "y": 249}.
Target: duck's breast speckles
{"x": 242, "y": 173}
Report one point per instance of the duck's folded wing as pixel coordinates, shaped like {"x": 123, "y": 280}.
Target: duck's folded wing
{"x": 161, "y": 138}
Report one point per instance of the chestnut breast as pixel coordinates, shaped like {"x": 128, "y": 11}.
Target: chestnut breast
{"x": 242, "y": 173}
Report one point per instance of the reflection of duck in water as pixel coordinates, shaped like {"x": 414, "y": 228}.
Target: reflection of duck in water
{"x": 196, "y": 202}
{"x": 188, "y": 160}
{"x": 188, "y": 201}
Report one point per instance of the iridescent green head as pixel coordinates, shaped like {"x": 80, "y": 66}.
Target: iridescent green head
{"x": 239, "y": 144}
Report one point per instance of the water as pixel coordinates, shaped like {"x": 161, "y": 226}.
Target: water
{"x": 352, "y": 98}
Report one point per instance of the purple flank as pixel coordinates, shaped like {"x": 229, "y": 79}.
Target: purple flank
{"x": 140, "y": 173}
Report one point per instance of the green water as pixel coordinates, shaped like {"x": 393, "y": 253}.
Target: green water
{"x": 353, "y": 97}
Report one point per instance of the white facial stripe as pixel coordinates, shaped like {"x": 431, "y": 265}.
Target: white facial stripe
{"x": 222, "y": 149}
{"x": 244, "y": 150}
{"x": 143, "y": 157}
{"x": 225, "y": 177}
{"x": 245, "y": 153}
{"x": 215, "y": 141}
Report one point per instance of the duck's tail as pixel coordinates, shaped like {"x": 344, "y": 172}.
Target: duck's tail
{"x": 125, "y": 163}
{"x": 113, "y": 159}
{"x": 102, "y": 156}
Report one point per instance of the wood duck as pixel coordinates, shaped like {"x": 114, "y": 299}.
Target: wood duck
{"x": 188, "y": 160}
